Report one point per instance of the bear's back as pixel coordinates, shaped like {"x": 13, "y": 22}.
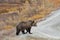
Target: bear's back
{"x": 24, "y": 25}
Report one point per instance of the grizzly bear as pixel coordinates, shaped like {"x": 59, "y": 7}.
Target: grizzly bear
{"x": 25, "y": 25}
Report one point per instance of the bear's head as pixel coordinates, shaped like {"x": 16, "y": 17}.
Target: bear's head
{"x": 33, "y": 23}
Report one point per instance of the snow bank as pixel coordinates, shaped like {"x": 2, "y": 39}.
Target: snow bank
{"x": 50, "y": 27}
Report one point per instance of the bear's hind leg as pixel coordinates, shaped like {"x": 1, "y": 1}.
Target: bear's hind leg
{"x": 23, "y": 32}
{"x": 17, "y": 31}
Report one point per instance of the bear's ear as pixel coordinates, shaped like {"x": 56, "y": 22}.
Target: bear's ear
{"x": 33, "y": 21}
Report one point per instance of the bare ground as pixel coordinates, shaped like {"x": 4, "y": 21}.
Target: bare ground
{"x": 10, "y": 35}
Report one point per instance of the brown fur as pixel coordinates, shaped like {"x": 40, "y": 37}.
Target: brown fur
{"x": 25, "y": 25}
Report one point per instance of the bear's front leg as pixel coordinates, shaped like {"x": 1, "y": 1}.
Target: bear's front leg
{"x": 29, "y": 30}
